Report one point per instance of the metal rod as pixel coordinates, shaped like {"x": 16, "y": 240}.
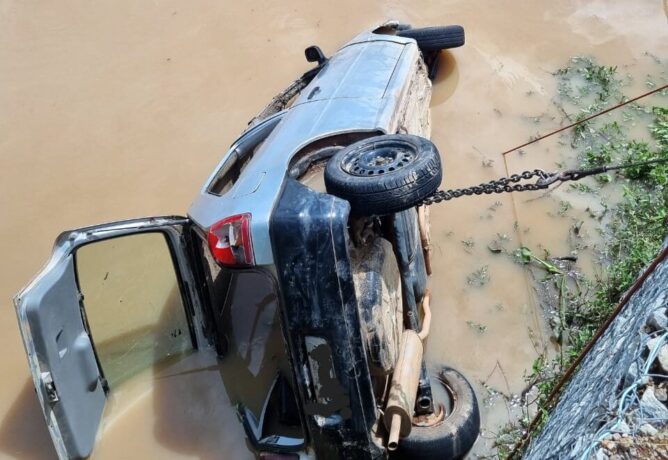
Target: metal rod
{"x": 585, "y": 119}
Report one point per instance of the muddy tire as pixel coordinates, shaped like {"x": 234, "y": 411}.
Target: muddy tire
{"x": 384, "y": 174}
{"x": 436, "y": 38}
{"x": 454, "y": 436}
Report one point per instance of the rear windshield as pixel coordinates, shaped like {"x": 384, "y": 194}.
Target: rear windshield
{"x": 228, "y": 173}
{"x": 246, "y": 147}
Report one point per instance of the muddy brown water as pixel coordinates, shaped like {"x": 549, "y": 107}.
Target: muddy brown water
{"x": 122, "y": 110}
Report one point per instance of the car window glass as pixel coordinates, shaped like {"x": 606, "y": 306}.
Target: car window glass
{"x": 226, "y": 176}
{"x": 246, "y": 147}
{"x": 132, "y": 302}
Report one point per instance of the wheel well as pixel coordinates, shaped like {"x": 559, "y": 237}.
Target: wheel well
{"x": 322, "y": 149}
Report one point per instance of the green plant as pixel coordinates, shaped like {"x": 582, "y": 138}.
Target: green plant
{"x": 524, "y": 255}
{"x": 479, "y": 277}
{"x": 636, "y": 227}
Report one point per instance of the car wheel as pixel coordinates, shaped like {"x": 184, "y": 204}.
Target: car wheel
{"x": 436, "y": 38}
{"x": 385, "y": 174}
{"x": 448, "y": 436}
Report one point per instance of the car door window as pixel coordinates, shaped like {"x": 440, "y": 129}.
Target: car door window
{"x": 133, "y": 304}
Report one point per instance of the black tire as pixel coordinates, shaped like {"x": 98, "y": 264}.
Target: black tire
{"x": 453, "y": 437}
{"x": 384, "y": 174}
{"x": 436, "y": 38}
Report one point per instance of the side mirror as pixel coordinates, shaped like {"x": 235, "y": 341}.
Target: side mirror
{"x": 315, "y": 54}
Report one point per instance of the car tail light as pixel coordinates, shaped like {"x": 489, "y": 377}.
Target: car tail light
{"x": 230, "y": 241}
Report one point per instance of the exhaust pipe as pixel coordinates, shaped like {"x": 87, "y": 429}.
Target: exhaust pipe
{"x": 403, "y": 391}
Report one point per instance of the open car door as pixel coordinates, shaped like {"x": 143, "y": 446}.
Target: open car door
{"x": 112, "y": 301}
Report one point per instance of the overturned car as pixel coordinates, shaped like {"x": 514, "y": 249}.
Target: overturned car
{"x": 303, "y": 263}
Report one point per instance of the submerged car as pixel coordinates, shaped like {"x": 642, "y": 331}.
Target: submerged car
{"x": 303, "y": 262}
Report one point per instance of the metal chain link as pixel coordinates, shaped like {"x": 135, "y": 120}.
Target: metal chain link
{"x": 502, "y": 185}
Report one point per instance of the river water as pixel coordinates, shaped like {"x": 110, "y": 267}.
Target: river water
{"x": 119, "y": 110}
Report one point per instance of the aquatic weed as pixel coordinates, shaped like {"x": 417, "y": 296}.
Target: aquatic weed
{"x": 564, "y": 207}
{"x": 584, "y": 78}
{"x": 581, "y": 187}
{"x": 479, "y": 328}
{"x": 659, "y": 127}
{"x": 479, "y": 277}
{"x": 637, "y": 227}
{"x": 632, "y": 223}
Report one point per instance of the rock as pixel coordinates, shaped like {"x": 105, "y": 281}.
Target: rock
{"x": 631, "y": 375}
{"x": 648, "y": 430}
{"x": 608, "y": 446}
{"x": 658, "y": 320}
{"x": 623, "y": 428}
{"x": 662, "y": 357}
{"x": 661, "y": 394}
{"x": 652, "y": 407}
{"x": 600, "y": 455}
{"x": 616, "y": 437}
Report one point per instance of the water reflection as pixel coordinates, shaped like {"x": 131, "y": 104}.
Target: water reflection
{"x": 23, "y": 432}
{"x": 446, "y": 80}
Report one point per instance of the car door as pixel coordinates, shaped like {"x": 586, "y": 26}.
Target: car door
{"x": 113, "y": 301}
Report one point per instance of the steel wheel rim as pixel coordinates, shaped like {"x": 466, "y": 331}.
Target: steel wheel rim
{"x": 377, "y": 159}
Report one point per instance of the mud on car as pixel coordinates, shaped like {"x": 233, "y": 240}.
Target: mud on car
{"x": 303, "y": 262}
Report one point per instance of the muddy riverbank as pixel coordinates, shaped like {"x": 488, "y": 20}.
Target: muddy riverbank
{"x": 117, "y": 111}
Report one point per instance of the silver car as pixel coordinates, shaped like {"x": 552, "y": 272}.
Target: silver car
{"x": 303, "y": 262}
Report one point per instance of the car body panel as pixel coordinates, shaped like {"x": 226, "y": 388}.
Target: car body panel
{"x": 66, "y": 376}
{"x": 362, "y": 71}
{"x": 322, "y": 322}
{"x": 69, "y": 383}
{"x": 310, "y": 120}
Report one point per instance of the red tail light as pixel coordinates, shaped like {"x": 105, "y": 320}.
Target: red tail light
{"x": 230, "y": 241}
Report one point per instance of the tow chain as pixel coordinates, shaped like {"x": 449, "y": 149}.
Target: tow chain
{"x": 510, "y": 184}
